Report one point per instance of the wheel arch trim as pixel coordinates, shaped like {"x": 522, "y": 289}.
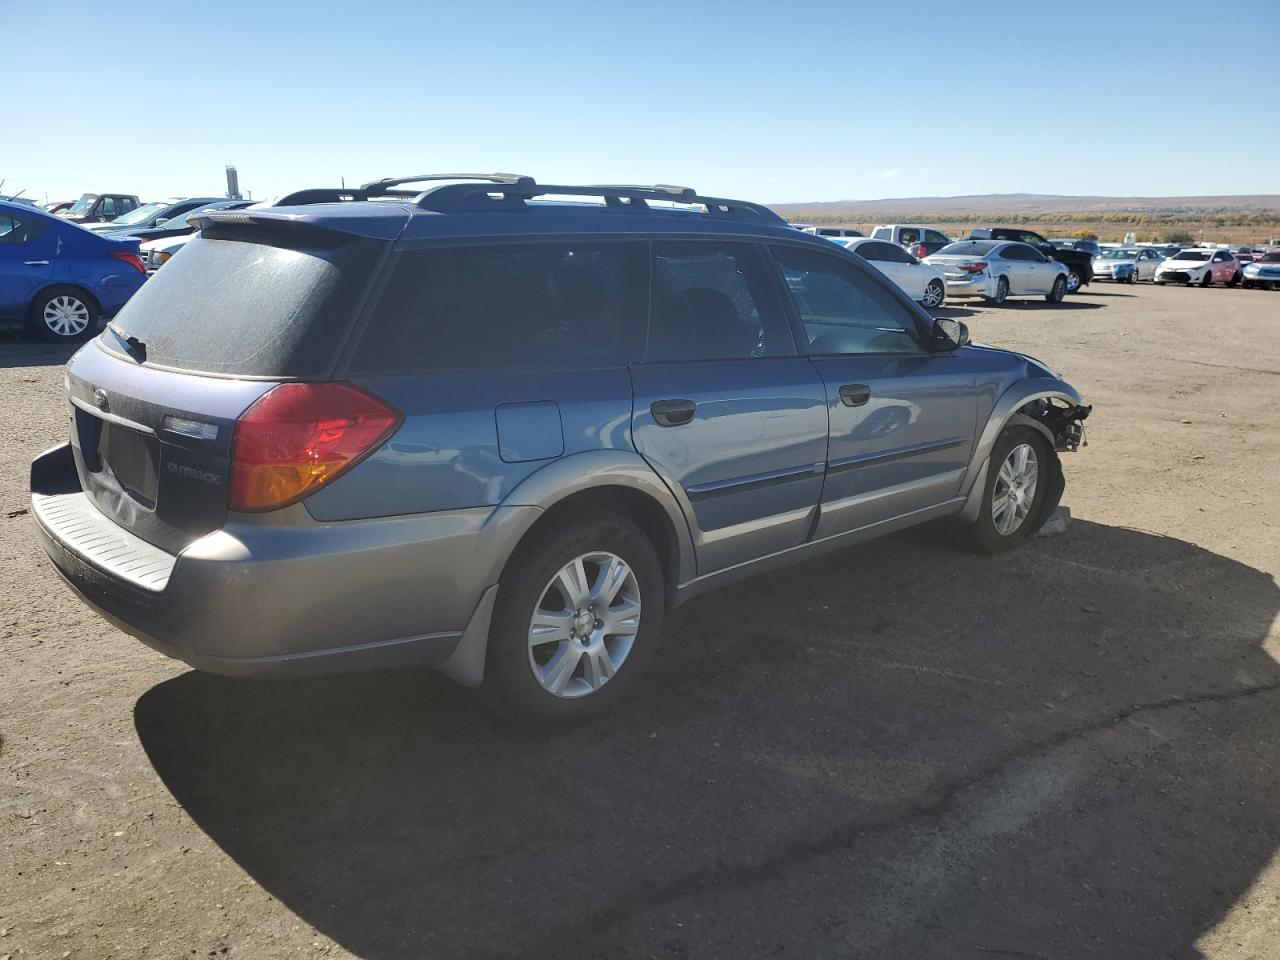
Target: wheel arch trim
{"x": 1004, "y": 413}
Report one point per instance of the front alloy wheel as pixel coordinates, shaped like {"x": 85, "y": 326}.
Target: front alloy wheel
{"x": 585, "y": 624}
{"x": 1073, "y": 281}
{"x": 1015, "y": 489}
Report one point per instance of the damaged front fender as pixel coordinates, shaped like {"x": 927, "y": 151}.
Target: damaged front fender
{"x": 1046, "y": 404}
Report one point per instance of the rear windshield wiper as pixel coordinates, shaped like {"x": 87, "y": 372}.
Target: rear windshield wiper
{"x": 132, "y": 345}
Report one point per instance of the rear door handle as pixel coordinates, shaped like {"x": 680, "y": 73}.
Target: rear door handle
{"x": 36, "y": 263}
{"x": 855, "y": 394}
{"x": 671, "y": 413}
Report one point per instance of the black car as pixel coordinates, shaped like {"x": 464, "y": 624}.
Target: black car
{"x": 150, "y": 215}
{"x": 1078, "y": 263}
{"x": 176, "y": 225}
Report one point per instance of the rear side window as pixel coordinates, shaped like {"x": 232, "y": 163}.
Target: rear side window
{"x": 545, "y": 305}
{"x": 933, "y": 236}
{"x": 909, "y": 235}
{"x": 714, "y": 301}
{"x": 15, "y": 231}
{"x": 883, "y": 233}
{"x": 249, "y": 309}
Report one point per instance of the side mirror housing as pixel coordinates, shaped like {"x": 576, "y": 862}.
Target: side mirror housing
{"x": 162, "y": 221}
{"x": 950, "y": 334}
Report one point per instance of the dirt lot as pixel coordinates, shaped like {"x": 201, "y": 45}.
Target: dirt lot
{"x": 902, "y": 750}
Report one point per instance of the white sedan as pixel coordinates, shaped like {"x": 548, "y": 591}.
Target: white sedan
{"x": 999, "y": 269}
{"x": 923, "y": 283}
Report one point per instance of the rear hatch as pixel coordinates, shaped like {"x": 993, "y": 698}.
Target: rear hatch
{"x": 155, "y": 399}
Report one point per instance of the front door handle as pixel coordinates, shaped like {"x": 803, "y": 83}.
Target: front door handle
{"x": 855, "y": 394}
{"x": 36, "y": 263}
{"x": 671, "y": 413}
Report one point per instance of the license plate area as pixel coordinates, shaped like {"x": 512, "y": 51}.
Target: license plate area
{"x": 118, "y": 456}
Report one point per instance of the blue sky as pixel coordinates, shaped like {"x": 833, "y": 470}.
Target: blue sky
{"x": 768, "y": 101}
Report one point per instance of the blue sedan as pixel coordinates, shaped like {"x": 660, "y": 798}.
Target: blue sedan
{"x": 58, "y": 279}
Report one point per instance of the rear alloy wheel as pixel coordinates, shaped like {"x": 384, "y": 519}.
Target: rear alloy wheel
{"x": 577, "y": 618}
{"x": 63, "y": 314}
{"x": 1058, "y": 292}
{"x": 1073, "y": 280}
{"x": 1002, "y": 291}
{"x": 934, "y": 294}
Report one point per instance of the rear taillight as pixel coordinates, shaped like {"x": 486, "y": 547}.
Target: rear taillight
{"x": 973, "y": 267}
{"x": 919, "y": 252}
{"x": 299, "y": 436}
{"x": 132, "y": 259}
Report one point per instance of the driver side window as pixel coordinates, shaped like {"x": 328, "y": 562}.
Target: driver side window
{"x": 845, "y": 311}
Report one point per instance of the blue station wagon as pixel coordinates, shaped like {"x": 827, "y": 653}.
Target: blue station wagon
{"x": 500, "y": 427}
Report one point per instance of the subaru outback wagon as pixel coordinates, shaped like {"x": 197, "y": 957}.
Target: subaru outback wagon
{"x": 500, "y": 428}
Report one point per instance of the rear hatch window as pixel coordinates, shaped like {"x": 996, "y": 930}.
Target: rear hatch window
{"x": 247, "y": 306}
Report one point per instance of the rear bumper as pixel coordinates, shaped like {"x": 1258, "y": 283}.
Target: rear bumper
{"x": 982, "y": 286}
{"x": 273, "y": 600}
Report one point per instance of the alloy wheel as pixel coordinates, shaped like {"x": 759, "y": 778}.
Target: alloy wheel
{"x": 933, "y": 294}
{"x": 65, "y": 315}
{"x": 1073, "y": 281}
{"x": 1015, "y": 489}
{"x": 585, "y": 625}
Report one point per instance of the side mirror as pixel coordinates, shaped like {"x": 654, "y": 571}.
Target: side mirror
{"x": 950, "y": 334}
{"x": 162, "y": 221}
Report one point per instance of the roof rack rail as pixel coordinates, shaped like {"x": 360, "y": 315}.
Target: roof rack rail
{"x": 515, "y": 191}
{"x": 387, "y": 187}
{"x": 321, "y": 195}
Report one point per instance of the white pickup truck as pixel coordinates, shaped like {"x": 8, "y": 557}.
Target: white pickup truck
{"x": 920, "y": 241}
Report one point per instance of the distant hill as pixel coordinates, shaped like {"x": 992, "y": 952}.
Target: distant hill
{"x": 1028, "y": 203}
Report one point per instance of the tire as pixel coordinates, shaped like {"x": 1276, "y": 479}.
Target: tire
{"x": 1073, "y": 280}
{"x": 983, "y": 534}
{"x": 1246, "y": 285}
{"x": 935, "y": 293}
{"x": 1059, "y": 291}
{"x": 1235, "y": 279}
{"x": 551, "y": 699}
{"x": 63, "y": 314}
{"x": 1206, "y": 280}
{"x": 1002, "y": 292}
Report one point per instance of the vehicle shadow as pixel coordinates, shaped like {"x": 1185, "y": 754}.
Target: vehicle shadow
{"x": 1039, "y": 303}
{"x": 899, "y": 750}
{"x": 952, "y": 313}
{"x": 17, "y": 351}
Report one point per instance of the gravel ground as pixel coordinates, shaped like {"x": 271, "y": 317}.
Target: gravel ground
{"x": 902, "y": 750}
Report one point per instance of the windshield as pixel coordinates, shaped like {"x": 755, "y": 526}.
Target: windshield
{"x": 1117, "y": 254}
{"x": 141, "y": 215}
{"x": 1195, "y": 255}
{"x": 969, "y": 248}
{"x": 1269, "y": 258}
{"x": 83, "y": 205}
